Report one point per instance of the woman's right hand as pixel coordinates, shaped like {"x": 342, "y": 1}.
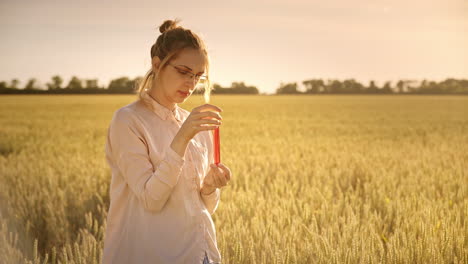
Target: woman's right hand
{"x": 203, "y": 117}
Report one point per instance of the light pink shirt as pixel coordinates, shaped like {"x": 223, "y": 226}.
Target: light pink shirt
{"x": 157, "y": 213}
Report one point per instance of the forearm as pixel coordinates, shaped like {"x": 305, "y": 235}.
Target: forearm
{"x": 179, "y": 144}
{"x": 207, "y": 190}
{"x": 155, "y": 192}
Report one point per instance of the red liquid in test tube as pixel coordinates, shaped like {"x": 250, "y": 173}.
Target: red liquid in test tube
{"x": 217, "y": 152}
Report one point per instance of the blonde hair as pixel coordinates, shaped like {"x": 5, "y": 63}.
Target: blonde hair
{"x": 169, "y": 44}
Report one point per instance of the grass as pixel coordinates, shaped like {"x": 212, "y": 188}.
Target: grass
{"x": 316, "y": 179}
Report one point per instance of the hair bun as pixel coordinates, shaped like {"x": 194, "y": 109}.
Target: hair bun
{"x": 168, "y": 25}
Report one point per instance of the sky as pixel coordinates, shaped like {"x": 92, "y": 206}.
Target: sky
{"x": 262, "y": 43}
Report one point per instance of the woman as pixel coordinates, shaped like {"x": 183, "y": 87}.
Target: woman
{"x": 164, "y": 184}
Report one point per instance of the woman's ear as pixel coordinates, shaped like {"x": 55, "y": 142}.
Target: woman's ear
{"x": 155, "y": 62}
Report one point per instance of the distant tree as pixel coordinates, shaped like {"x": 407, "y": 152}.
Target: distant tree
{"x": 74, "y": 84}
{"x": 400, "y": 86}
{"x": 463, "y": 87}
{"x": 372, "y": 88}
{"x": 387, "y": 88}
{"x": 236, "y": 88}
{"x": 91, "y": 84}
{"x": 314, "y": 86}
{"x": 122, "y": 85}
{"x": 450, "y": 85}
{"x": 334, "y": 86}
{"x": 14, "y": 84}
{"x": 31, "y": 84}
{"x": 352, "y": 86}
{"x": 217, "y": 89}
{"x": 56, "y": 83}
{"x": 423, "y": 84}
{"x": 432, "y": 87}
{"x": 287, "y": 88}
{"x": 412, "y": 86}
{"x": 241, "y": 88}
{"x": 217, "y": 86}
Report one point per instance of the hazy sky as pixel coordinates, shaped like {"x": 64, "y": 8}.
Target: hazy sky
{"x": 261, "y": 43}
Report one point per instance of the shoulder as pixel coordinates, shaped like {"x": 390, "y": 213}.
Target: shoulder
{"x": 127, "y": 114}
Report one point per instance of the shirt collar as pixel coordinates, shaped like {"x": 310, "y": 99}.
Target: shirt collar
{"x": 159, "y": 109}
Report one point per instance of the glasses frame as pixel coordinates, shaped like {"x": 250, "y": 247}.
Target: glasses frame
{"x": 198, "y": 78}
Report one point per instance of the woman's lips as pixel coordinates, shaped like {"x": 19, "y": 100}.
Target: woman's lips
{"x": 184, "y": 94}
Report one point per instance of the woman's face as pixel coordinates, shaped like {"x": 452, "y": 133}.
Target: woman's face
{"x": 174, "y": 83}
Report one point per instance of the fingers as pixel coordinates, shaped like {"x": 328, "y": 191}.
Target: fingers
{"x": 215, "y": 173}
{"x": 203, "y": 128}
{"x": 226, "y": 170}
{"x": 205, "y": 115}
{"x": 206, "y": 121}
{"x": 220, "y": 177}
{"x": 207, "y": 107}
{"x": 209, "y": 180}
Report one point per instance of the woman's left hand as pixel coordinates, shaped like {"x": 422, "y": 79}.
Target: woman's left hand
{"x": 218, "y": 177}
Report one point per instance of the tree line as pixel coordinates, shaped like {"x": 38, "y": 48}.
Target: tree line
{"x": 125, "y": 85}
{"x": 351, "y": 86}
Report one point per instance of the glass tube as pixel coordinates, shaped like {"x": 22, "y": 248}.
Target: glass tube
{"x": 217, "y": 152}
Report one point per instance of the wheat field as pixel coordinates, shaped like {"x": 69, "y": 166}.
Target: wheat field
{"x": 316, "y": 179}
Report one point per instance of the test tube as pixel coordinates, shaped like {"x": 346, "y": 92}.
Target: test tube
{"x": 216, "y": 143}
{"x": 217, "y": 152}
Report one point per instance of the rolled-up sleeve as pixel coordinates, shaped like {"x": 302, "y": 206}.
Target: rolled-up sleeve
{"x": 211, "y": 200}
{"x": 152, "y": 186}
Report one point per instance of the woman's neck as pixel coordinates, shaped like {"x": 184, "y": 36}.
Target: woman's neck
{"x": 159, "y": 97}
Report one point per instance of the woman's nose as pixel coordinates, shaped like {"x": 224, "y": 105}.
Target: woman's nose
{"x": 191, "y": 81}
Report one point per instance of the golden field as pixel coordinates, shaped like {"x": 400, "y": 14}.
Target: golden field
{"x": 316, "y": 179}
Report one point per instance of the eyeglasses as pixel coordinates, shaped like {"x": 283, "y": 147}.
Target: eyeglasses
{"x": 188, "y": 75}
